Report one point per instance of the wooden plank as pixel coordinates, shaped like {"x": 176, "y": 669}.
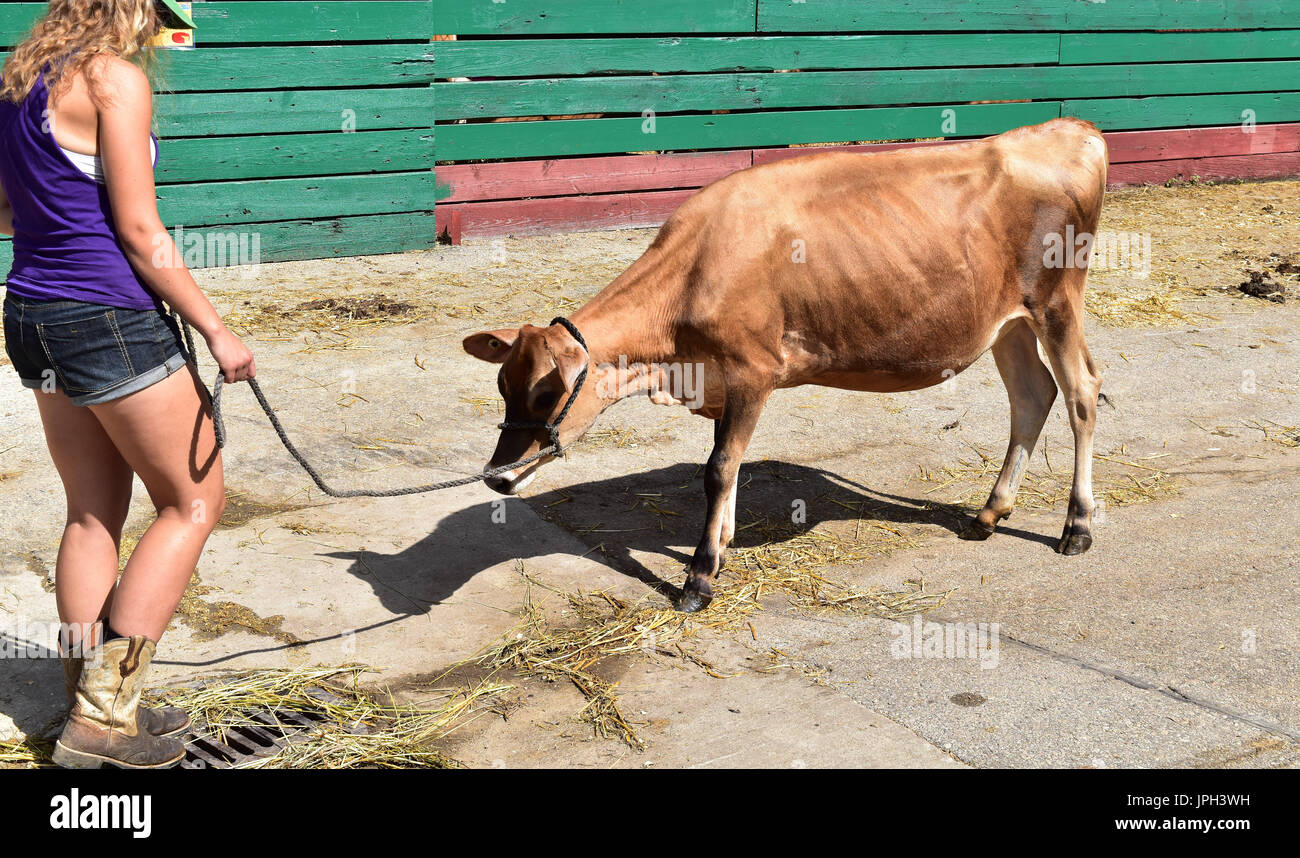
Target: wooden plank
{"x": 1088, "y": 48}
{"x": 279, "y": 67}
{"x": 645, "y": 209}
{"x": 338, "y": 236}
{"x": 571, "y": 176}
{"x": 1276, "y": 165}
{"x": 310, "y": 239}
{"x": 16, "y": 20}
{"x": 1114, "y": 114}
{"x": 1182, "y": 14}
{"x": 592, "y": 136}
{"x": 558, "y": 214}
{"x": 1181, "y": 143}
{"x": 766, "y": 156}
{"x": 789, "y": 16}
{"x": 195, "y": 114}
{"x": 1040, "y": 15}
{"x": 293, "y": 67}
{"x": 748, "y": 91}
{"x": 207, "y": 203}
{"x": 194, "y": 159}
{"x": 537, "y": 17}
{"x": 554, "y": 57}
{"x": 255, "y": 22}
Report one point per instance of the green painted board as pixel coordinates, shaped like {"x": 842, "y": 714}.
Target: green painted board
{"x": 540, "y": 139}
{"x": 15, "y": 20}
{"x": 775, "y": 16}
{"x": 252, "y": 22}
{"x": 195, "y": 114}
{"x": 1181, "y": 14}
{"x": 282, "y": 241}
{"x": 280, "y": 67}
{"x": 749, "y": 91}
{"x": 539, "y": 17}
{"x": 1036, "y": 15}
{"x": 195, "y": 159}
{"x": 1113, "y": 114}
{"x": 207, "y": 203}
{"x": 1085, "y": 48}
{"x": 554, "y": 57}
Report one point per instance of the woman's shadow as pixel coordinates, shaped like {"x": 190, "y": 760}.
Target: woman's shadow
{"x": 646, "y": 512}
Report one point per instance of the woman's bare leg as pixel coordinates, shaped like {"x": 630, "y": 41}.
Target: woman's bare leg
{"x": 97, "y": 484}
{"x": 165, "y": 434}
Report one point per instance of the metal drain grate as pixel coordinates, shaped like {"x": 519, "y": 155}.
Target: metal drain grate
{"x": 264, "y": 736}
{"x": 262, "y": 733}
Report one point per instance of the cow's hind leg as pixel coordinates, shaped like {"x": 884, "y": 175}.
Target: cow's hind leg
{"x": 730, "y": 438}
{"x": 1061, "y": 328}
{"x": 1031, "y": 391}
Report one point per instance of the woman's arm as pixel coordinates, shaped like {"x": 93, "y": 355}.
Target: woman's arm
{"x": 6, "y": 214}
{"x": 124, "y": 121}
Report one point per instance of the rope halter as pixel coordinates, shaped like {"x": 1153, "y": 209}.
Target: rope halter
{"x": 553, "y": 429}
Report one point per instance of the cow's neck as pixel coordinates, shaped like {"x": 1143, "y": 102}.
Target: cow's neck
{"x": 627, "y": 325}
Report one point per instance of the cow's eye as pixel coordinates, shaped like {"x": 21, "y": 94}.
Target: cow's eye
{"x": 545, "y": 401}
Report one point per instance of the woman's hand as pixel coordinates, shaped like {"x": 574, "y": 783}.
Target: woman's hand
{"x": 232, "y": 356}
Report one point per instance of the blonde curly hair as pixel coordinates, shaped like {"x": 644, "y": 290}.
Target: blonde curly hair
{"x": 71, "y": 35}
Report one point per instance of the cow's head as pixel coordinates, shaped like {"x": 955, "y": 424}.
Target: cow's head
{"x": 539, "y": 369}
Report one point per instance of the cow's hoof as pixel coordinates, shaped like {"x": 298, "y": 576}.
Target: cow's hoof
{"x": 1074, "y": 543}
{"x": 976, "y": 530}
{"x": 691, "y": 601}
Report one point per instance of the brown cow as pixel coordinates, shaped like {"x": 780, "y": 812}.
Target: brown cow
{"x": 878, "y": 272}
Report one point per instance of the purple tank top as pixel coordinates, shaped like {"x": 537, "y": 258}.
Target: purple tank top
{"x": 65, "y": 245}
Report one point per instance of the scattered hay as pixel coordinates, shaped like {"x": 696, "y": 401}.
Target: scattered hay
{"x": 333, "y": 315}
{"x": 613, "y": 437}
{"x": 211, "y": 620}
{"x": 241, "y": 509}
{"x": 609, "y": 627}
{"x": 1131, "y": 310}
{"x": 26, "y": 753}
{"x": 1117, "y": 482}
{"x": 358, "y": 728}
{"x": 1287, "y": 436}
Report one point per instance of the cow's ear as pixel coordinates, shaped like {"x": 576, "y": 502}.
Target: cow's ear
{"x": 569, "y": 360}
{"x": 491, "y": 346}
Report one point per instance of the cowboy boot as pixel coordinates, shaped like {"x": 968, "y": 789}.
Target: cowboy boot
{"x": 104, "y": 724}
{"x": 162, "y": 721}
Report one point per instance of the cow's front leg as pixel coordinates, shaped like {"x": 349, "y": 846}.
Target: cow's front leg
{"x": 730, "y": 438}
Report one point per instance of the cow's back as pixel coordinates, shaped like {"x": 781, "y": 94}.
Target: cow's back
{"x": 842, "y": 263}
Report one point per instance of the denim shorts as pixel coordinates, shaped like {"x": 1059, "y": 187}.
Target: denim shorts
{"x": 91, "y": 352}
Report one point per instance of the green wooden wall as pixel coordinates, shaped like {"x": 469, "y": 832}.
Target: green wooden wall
{"x": 253, "y": 122}
{"x": 868, "y": 70}
{"x": 309, "y": 124}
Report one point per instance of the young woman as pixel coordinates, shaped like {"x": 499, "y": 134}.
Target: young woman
{"x": 86, "y": 329}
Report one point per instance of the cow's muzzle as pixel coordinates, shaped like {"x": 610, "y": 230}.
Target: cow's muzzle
{"x": 512, "y": 482}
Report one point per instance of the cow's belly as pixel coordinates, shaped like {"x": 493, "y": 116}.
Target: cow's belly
{"x": 890, "y": 364}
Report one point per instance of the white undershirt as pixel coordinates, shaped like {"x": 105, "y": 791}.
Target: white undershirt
{"x": 93, "y": 167}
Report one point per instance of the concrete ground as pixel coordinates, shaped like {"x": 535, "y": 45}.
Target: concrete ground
{"x": 1174, "y": 642}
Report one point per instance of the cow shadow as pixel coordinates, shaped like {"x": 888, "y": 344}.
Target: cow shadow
{"x": 657, "y": 512}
